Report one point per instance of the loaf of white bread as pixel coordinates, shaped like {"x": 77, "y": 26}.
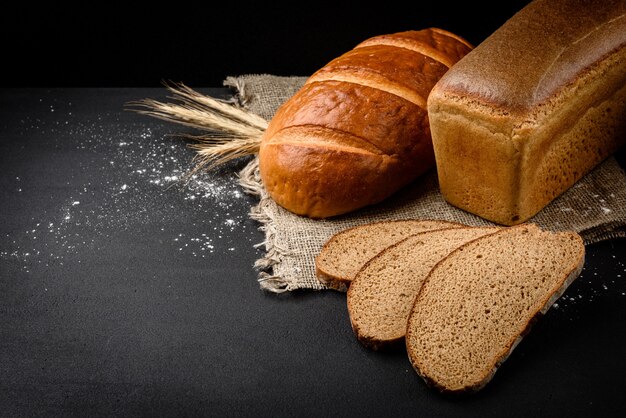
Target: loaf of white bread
{"x": 531, "y": 109}
{"x": 357, "y": 131}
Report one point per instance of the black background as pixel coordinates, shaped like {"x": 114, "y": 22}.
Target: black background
{"x": 102, "y": 45}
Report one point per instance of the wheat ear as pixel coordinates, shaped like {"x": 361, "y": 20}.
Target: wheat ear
{"x": 230, "y": 132}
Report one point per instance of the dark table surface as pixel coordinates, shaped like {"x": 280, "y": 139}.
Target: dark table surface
{"x": 126, "y": 292}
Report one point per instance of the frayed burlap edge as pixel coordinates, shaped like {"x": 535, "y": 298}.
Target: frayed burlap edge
{"x": 250, "y": 181}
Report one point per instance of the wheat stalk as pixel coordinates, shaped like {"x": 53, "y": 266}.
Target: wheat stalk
{"x": 229, "y": 131}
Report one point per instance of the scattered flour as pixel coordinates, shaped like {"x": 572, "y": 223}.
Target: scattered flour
{"x": 129, "y": 176}
{"x": 591, "y": 285}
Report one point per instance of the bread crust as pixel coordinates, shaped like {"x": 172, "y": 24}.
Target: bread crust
{"x": 376, "y": 94}
{"x": 539, "y": 51}
{"x": 532, "y": 109}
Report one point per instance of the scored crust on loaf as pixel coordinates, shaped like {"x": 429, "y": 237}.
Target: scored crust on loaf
{"x": 381, "y": 295}
{"x": 478, "y": 303}
{"x": 343, "y": 254}
{"x": 375, "y": 94}
{"x": 375, "y": 81}
{"x": 434, "y": 44}
{"x": 532, "y": 109}
{"x": 315, "y": 136}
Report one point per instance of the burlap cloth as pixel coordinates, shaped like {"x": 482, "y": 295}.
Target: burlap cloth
{"x": 595, "y": 207}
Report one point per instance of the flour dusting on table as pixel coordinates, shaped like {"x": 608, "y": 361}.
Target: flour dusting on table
{"x": 129, "y": 176}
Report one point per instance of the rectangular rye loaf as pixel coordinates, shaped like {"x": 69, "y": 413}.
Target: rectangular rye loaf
{"x": 532, "y": 109}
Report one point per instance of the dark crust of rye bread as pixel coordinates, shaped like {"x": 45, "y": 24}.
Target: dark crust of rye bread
{"x": 508, "y": 348}
{"x": 341, "y": 283}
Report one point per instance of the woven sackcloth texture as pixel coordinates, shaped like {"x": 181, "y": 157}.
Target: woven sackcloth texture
{"x": 595, "y": 207}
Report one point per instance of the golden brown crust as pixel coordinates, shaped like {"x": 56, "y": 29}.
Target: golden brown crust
{"x": 411, "y": 71}
{"x": 539, "y": 102}
{"x": 375, "y": 96}
{"x": 434, "y": 43}
{"x": 322, "y": 181}
{"x": 549, "y": 42}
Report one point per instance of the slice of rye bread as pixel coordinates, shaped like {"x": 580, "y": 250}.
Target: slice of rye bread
{"x": 381, "y": 295}
{"x": 478, "y": 303}
{"x": 343, "y": 255}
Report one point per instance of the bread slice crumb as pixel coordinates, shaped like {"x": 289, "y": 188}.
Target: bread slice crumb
{"x": 477, "y": 303}
{"x": 381, "y": 296}
{"x": 343, "y": 255}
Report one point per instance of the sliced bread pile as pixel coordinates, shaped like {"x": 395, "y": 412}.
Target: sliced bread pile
{"x": 343, "y": 255}
{"x": 381, "y": 296}
{"x": 460, "y": 298}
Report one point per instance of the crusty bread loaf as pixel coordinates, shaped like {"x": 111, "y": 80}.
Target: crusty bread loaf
{"x": 478, "y": 302}
{"x": 343, "y": 254}
{"x": 381, "y": 296}
{"x": 357, "y": 131}
{"x": 531, "y": 109}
